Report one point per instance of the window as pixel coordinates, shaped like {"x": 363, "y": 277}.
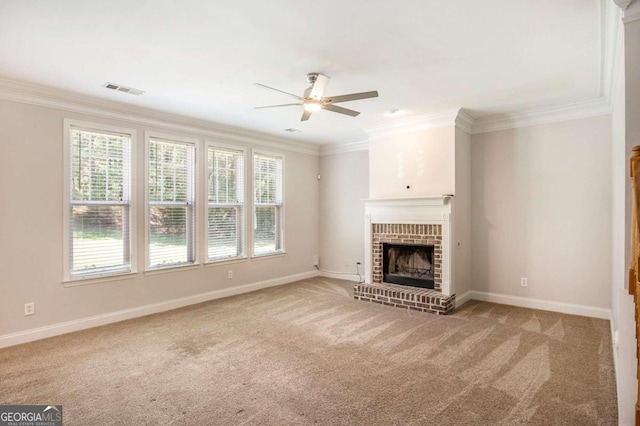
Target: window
{"x": 268, "y": 226}
{"x": 99, "y": 202}
{"x": 171, "y": 206}
{"x": 225, "y": 215}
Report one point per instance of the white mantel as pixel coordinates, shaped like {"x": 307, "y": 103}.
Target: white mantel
{"x": 436, "y": 210}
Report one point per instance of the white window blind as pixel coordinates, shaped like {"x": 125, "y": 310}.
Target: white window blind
{"x": 268, "y": 229}
{"x": 225, "y": 223}
{"x": 171, "y": 232}
{"x": 100, "y": 203}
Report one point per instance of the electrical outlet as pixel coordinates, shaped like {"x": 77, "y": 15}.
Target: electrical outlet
{"x": 523, "y": 282}
{"x": 229, "y": 274}
{"x": 316, "y": 260}
{"x": 29, "y": 309}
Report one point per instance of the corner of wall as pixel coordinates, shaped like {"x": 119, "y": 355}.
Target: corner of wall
{"x": 462, "y": 213}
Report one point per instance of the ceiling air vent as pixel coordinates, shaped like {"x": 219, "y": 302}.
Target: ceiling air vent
{"x": 123, "y": 89}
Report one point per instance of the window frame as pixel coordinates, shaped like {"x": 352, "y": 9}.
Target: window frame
{"x": 195, "y": 175}
{"x": 105, "y": 274}
{"x": 242, "y": 240}
{"x": 281, "y": 205}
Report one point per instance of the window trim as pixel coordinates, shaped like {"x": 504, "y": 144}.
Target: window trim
{"x": 210, "y": 143}
{"x": 67, "y": 202}
{"x": 148, "y": 135}
{"x": 281, "y": 156}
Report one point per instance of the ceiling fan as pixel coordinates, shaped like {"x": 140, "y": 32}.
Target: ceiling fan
{"x": 312, "y": 100}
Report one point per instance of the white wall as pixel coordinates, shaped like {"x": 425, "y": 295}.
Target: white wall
{"x": 462, "y": 213}
{"x": 424, "y": 160}
{"x": 343, "y": 187}
{"x": 626, "y": 134}
{"x": 31, "y": 229}
{"x": 540, "y": 203}
{"x": 621, "y": 193}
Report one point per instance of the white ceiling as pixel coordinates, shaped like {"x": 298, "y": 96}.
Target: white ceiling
{"x": 200, "y": 58}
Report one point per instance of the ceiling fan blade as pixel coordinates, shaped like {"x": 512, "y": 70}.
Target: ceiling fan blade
{"x": 276, "y": 106}
{"x": 305, "y": 115}
{"x": 318, "y": 88}
{"x": 278, "y": 90}
{"x": 340, "y": 110}
{"x": 350, "y": 97}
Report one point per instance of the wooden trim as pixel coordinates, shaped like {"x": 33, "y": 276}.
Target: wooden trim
{"x": 634, "y": 288}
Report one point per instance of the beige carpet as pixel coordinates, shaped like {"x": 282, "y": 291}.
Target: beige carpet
{"x": 307, "y": 353}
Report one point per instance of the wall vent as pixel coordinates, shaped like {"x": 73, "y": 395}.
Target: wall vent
{"x": 123, "y": 89}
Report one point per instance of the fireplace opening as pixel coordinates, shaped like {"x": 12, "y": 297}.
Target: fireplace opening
{"x": 408, "y": 264}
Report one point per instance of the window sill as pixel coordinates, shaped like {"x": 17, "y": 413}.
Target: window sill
{"x": 225, "y": 261}
{"x": 268, "y": 255}
{"x": 97, "y": 280}
{"x": 168, "y": 269}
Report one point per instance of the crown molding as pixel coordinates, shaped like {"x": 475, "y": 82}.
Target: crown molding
{"x": 534, "y": 117}
{"x": 610, "y": 28}
{"x": 493, "y": 123}
{"x": 445, "y": 118}
{"x": 464, "y": 121}
{"x": 342, "y": 148}
{"x": 45, "y": 96}
{"x": 611, "y": 43}
{"x": 618, "y": 67}
{"x": 34, "y": 94}
{"x": 633, "y": 17}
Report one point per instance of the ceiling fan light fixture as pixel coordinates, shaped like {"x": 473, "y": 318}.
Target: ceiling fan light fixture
{"x": 314, "y": 100}
{"x": 312, "y": 106}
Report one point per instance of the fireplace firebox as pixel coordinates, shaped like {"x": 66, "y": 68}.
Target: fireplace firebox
{"x": 408, "y": 264}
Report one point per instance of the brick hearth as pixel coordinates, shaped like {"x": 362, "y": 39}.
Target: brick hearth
{"x": 400, "y": 296}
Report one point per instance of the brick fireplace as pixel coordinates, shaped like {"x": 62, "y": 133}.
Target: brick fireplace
{"x": 421, "y": 224}
{"x": 410, "y": 236}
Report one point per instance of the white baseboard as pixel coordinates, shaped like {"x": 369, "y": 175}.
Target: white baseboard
{"x": 614, "y": 348}
{"x": 463, "y": 298}
{"x": 341, "y": 275}
{"x": 140, "y": 311}
{"x": 545, "y": 305}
